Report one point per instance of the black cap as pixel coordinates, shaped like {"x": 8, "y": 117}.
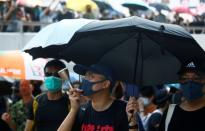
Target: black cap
{"x": 192, "y": 67}
{"x": 161, "y": 96}
{"x": 96, "y": 68}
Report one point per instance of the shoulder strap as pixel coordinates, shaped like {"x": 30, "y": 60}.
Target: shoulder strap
{"x": 169, "y": 115}
{"x": 36, "y": 103}
{"x": 35, "y": 107}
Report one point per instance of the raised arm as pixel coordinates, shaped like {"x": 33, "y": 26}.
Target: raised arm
{"x": 132, "y": 109}
{"x": 70, "y": 119}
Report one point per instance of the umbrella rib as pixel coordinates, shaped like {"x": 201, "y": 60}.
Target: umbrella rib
{"x": 139, "y": 45}
{"x": 157, "y": 43}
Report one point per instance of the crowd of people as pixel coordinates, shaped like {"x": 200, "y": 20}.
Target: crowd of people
{"x": 97, "y": 102}
{"x": 12, "y": 15}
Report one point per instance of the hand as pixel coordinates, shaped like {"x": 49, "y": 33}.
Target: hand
{"x": 131, "y": 109}
{"x": 75, "y": 98}
{"x": 141, "y": 105}
{"x": 6, "y": 117}
{"x": 12, "y": 6}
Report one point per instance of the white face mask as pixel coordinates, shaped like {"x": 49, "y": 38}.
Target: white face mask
{"x": 146, "y": 101}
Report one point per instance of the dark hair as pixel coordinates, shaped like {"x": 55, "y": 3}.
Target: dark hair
{"x": 147, "y": 91}
{"x": 55, "y": 63}
{"x": 161, "y": 98}
{"x": 16, "y": 85}
{"x": 117, "y": 91}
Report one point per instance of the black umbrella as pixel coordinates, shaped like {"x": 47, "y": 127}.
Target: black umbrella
{"x": 140, "y": 51}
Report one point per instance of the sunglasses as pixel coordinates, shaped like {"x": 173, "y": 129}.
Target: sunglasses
{"x": 47, "y": 74}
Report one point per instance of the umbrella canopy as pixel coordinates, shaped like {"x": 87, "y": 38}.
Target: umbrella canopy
{"x": 19, "y": 65}
{"x": 140, "y": 51}
{"x": 183, "y": 9}
{"x": 30, "y": 3}
{"x": 117, "y": 10}
{"x": 58, "y": 33}
{"x": 80, "y": 5}
{"x": 134, "y": 4}
{"x": 200, "y": 9}
{"x": 160, "y": 6}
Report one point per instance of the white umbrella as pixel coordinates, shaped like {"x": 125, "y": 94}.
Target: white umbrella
{"x": 57, "y": 33}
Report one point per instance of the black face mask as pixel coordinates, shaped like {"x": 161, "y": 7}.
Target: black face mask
{"x": 86, "y": 86}
{"x": 192, "y": 90}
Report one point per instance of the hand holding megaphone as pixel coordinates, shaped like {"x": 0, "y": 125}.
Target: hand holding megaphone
{"x": 64, "y": 74}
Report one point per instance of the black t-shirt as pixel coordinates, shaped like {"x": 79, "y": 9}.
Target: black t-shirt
{"x": 185, "y": 120}
{"x": 50, "y": 113}
{"x": 112, "y": 119}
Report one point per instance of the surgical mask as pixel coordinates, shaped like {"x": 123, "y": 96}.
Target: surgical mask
{"x": 53, "y": 84}
{"x": 192, "y": 90}
{"x": 146, "y": 101}
{"x": 86, "y": 86}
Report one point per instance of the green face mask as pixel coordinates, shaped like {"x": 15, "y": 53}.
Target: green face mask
{"x": 53, "y": 84}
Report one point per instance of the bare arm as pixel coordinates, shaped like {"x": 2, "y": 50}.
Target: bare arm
{"x": 68, "y": 122}
{"x": 7, "y": 16}
{"x": 132, "y": 109}
{"x": 29, "y": 125}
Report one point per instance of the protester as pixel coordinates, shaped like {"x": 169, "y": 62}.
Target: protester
{"x": 189, "y": 115}
{"x": 49, "y": 109}
{"x": 134, "y": 120}
{"x": 89, "y": 12}
{"x": 4, "y": 122}
{"x": 102, "y": 112}
{"x": 15, "y": 93}
{"x": 161, "y": 100}
{"x": 5, "y": 117}
{"x": 145, "y": 104}
{"x": 20, "y": 109}
{"x": 131, "y": 94}
{"x": 160, "y": 18}
{"x": 65, "y": 13}
{"x": 146, "y": 107}
{"x": 36, "y": 87}
{"x": 175, "y": 92}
